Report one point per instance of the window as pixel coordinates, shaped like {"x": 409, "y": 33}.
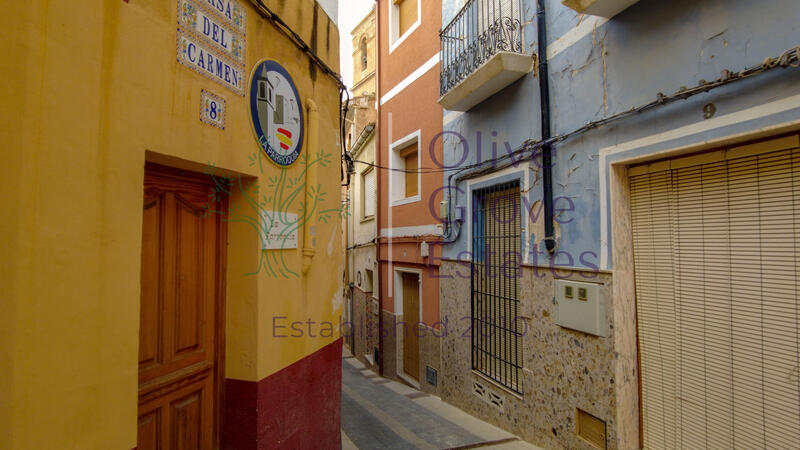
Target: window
{"x": 404, "y": 179}
{"x": 411, "y": 166}
{"x": 407, "y": 10}
{"x": 496, "y": 243}
{"x": 363, "y": 54}
{"x": 368, "y": 280}
{"x": 404, "y": 18}
{"x": 368, "y": 194}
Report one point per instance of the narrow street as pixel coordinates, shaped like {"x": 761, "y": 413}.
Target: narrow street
{"x": 378, "y": 413}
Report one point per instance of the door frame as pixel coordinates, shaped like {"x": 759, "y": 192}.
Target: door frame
{"x": 398, "y": 310}
{"x": 221, "y": 265}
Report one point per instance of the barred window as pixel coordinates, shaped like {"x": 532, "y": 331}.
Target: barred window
{"x": 496, "y": 244}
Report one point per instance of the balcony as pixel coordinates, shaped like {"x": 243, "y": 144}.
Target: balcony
{"x": 481, "y": 53}
{"x": 602, "y": 8}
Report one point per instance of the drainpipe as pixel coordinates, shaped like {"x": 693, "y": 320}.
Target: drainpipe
{"x": 309, "y": 240}
{"x": 547, "y": 155}
{"x": 378, "y": 163}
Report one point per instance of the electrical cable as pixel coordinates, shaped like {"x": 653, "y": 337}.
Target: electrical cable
{"x": 327, "y": 70}
{"x": 790, "y": 58}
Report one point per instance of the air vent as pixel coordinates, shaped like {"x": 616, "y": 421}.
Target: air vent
{"x": 430, "y": 375}
{"x": 592, "y": 429}
{"x": 496, "y": 400}
{"x": 478, "y": 390}
{"x": 487, "y": 395}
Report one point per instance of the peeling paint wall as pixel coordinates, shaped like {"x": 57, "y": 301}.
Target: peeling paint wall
{"x": 599, "y": 68}
{"x": 614, "y": 66}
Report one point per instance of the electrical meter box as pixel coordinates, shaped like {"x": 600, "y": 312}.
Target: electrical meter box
{"x": 581, "y": 307}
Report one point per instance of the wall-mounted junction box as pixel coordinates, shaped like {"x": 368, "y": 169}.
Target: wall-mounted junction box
{"x": 581, "y": 307}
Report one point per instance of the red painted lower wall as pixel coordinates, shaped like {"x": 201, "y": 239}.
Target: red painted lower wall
{"x": 297, "y": 407}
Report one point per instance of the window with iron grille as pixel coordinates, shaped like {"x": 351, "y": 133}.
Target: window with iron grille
{"x": 496, "y": 246}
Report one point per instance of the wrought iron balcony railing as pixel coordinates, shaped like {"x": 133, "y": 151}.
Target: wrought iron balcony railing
{"x": 479, "y": 30}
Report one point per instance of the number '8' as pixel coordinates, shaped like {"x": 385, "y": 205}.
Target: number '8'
{"x": 212, "y": 110}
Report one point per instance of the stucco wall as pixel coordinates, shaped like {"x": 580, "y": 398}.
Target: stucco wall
{"x": 92, "y": 92}
{"x": 598, "y": 68}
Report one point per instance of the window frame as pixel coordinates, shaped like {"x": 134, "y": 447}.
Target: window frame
{"x": 505, "y": 372}
{"x": 397, "y": 170}
{"x": 362, "y": 193}
{"x": 363, "y": 49}
{"x": 395, "y": 38}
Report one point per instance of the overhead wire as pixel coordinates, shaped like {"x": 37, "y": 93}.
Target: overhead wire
{"x": 301, "y": 44}
{"x": 790, "y": 58}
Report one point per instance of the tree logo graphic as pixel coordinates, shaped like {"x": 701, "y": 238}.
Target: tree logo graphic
{"x": 276, "y": 211}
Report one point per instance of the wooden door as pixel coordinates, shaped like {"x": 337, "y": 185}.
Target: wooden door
{"x": 181, "y": 302}
{"x": 412, "y": 329}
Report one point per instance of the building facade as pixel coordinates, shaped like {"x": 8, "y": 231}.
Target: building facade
{"x": 157, "y": 263}
{"x": 409, "y": 130}
{"x": 364, "y": 56}
{"x": 362, "y": 264}
{"x": 665, "y": 294}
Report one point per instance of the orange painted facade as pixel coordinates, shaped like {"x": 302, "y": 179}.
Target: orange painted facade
{"x": 408, "y": 89}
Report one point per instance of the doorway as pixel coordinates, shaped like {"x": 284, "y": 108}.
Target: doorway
{"x": 411, "y": 317}
{"x": 716, "y": 240}
{"x": 181, "y": 328}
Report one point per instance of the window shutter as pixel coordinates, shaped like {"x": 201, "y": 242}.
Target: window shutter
{"x": 369, "y": 193}
{"x": 412, "y": 175}
{"x": 408, "y": 13}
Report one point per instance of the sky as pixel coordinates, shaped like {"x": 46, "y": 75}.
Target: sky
{"x": 350, "y": 13}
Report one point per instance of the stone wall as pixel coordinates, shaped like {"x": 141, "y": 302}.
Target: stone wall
{"x": 364, "y": 327}
{"x": 430, "y": 341}
{"x": 563, "y": 369}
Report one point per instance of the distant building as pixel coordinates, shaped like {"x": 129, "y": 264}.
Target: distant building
{"x": 362, "y": 266}
{"x": 364, "y": 56}
{"x": 409, "y": 226}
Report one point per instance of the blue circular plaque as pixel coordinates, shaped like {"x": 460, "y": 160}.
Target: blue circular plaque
{"x": 276, "y": 112}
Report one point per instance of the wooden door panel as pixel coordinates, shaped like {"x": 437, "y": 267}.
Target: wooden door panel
{"x": 149, "y": 323}
{"x": 149, "y": 427}
{"x": 186, "y": 417}
{"x": 179, "y": 371}
{"x": 412, "y": 319}
{"x": 189, "y": 291}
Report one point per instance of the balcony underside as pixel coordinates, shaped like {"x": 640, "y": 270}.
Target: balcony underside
{"x": 502, "y": 69}
{"x": 602, "y": 8}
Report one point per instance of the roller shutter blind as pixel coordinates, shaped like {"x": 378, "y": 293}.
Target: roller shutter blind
{"x": 716, "y": 242}
{"x": 369, "y": 194}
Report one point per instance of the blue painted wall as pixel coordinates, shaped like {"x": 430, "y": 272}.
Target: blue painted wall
{"x": 654, "y": 46}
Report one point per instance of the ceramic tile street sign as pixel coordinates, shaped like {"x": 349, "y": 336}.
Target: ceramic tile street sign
{"x": 212, "y": 109}
{"x": 211, "y": 40}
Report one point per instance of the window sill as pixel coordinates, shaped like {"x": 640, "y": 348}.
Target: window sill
{"x": 497, "y": 385}
{"x": 393, "y": 45}
{"x": 406, "y": 201}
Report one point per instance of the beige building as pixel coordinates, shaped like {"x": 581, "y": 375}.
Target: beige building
{"x": 364, "y": 56}
{"x": 362, "y": 277}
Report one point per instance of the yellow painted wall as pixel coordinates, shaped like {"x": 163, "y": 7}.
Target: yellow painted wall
{"x": 91, "y": 90}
